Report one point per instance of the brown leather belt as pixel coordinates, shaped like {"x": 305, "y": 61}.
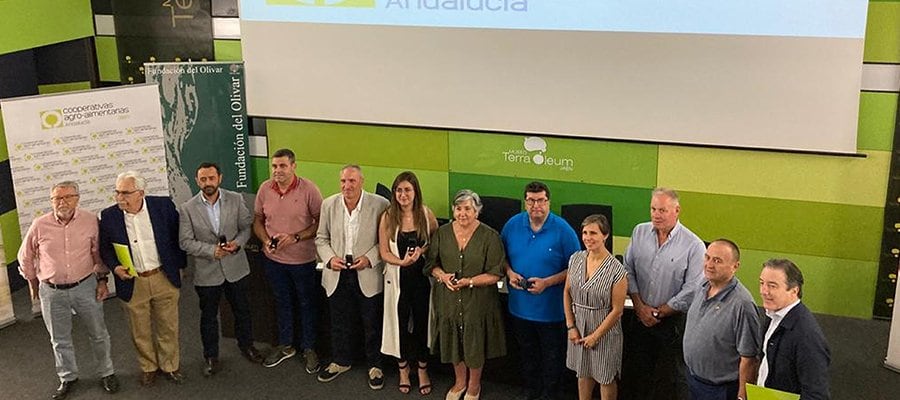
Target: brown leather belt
{"x": 148, "y": 273}
{"x": 66, "y": 286}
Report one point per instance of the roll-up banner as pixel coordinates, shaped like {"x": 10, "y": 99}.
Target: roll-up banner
{"x": 205, "y": 120}
{"x": 892, "y": 361}
{"x": 89, "y": 137}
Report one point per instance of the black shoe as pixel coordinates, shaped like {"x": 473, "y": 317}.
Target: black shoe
{"x": 63, "y": 390}
{"x": 175, "y": 376}
{"x": 252, "y": 354}
{"x": 211, "y": 366}
{"x": 110, "y": 383}
{"x": 279, "y": 354}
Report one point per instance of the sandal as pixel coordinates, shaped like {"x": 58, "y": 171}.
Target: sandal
{"x": 424, "y": 384}
{"x": 404, "y": 371}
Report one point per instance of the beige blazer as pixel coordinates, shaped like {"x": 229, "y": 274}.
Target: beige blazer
{"x": 330, "y": 241}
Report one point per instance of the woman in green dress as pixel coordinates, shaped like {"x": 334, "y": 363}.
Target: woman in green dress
{"x": 466, "y": 260}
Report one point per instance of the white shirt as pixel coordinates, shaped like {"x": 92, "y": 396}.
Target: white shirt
{"x": 351, "y": 225}
{"x": 140, "y": 237}
{"x": 776, "y": 317}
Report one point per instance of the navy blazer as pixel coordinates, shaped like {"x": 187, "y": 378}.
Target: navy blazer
{"x": 798, "y": 355}
{"x": 164, "y": 218}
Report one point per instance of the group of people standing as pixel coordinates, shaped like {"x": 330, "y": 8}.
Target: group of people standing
{"x": 418, "y": 288}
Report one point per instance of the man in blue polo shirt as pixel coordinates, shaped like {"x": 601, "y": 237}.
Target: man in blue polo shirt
{"x": 538, "y": 245}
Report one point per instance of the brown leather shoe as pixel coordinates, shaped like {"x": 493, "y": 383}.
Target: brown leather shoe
{"x": 148, "y": 378}
{"x": 252, "y": 354}
{"x": 175, "y": 376}
{"x": 211, "y": 366}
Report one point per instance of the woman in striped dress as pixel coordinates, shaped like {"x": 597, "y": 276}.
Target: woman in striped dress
{"x": 594, "y": 299}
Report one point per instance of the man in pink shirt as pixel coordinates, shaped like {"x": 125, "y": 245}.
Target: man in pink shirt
{"x": 60, "y": 259}
{"x": 286, "y": 219}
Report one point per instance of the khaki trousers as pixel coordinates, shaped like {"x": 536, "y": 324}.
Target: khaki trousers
{"x": 154, "y": 304}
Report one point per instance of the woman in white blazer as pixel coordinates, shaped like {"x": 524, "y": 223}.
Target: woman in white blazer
{"x": 403, "y": 236}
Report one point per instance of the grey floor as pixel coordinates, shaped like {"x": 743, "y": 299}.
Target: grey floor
{"x": 27, "y": 372}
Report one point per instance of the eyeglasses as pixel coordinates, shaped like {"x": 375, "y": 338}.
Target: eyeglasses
{"x": 67, "y": 198}
{"x": 125, "y": 192}
{"x": 536, "y": 202}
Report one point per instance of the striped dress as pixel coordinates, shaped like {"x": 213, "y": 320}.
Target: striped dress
{"x": 591, "y": 303}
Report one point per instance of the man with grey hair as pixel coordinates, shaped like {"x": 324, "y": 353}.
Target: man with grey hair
{"x": 139, "y": 236}
{"x": 347, "y": 242}
{"x": 665, "y": 265}
{"x": 60, "y": 259}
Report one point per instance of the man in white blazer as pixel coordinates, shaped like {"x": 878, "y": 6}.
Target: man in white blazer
{"x": 213, "y": 227}
{"x": 347, "y": 242}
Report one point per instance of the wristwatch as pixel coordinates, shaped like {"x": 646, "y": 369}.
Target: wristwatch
{"x": 102, "y": 278}
{"x": 297, "y": 237}
{"x": 655, "y": 314}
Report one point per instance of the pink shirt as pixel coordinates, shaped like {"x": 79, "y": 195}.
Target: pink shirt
{"x": 61, "y": 253}
{"x": 290, "y": 212}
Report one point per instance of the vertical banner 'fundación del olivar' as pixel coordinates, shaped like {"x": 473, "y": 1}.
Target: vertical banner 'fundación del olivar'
{"x": 205, "y": 120}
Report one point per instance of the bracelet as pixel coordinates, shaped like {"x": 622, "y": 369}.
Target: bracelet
{"x": 103, "y": 278}
{"x": 471, "y": 283}
{"x": 569, "y": 328}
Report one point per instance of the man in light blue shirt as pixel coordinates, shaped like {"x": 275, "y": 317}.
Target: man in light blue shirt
{"x": 665, "y": 265}
{"x": 538, "y": 245}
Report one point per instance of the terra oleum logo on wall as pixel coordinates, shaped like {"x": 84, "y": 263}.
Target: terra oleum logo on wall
{"x": 536, "y": 152}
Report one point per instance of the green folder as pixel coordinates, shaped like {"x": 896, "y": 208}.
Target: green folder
{"x": 762, "y": 393}
{"x": 124, "y": 256}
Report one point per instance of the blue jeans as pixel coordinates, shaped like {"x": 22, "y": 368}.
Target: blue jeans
{"x": 702, "y": 389}
{"x": 348, "y": 305}
{"x": 542, "y": 350}
{"x": 236, "y": 293}
{"x": 291, "y": 282}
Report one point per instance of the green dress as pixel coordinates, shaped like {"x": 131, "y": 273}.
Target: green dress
{"x": 468, "y": 322}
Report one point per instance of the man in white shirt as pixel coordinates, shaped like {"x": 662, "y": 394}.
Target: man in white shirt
{"x": 795, "y": 354}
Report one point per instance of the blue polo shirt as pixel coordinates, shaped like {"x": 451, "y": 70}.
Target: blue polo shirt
{"x": 538, "y": 254}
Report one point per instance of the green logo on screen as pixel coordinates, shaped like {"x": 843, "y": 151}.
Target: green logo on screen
{"x": 51, "y": 119}
{"x": 326, "y": 3}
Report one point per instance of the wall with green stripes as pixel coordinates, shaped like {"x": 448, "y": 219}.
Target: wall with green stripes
{"x": 823, "y": 212}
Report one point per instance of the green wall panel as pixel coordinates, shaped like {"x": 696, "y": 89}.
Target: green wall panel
{"x": 877, "y": 115}
{"x": 227, "y": 50}
{"x": 63, "y": 87}
{"x": 883, "y": 32}
{"x": 796, "y": 227}
{"x": 571, "y": 160}
{"x": 12, "y": 236}
{"x": 631, "y": 206}
{"x": 260, "y": 168}
{"x": 107, "y": 58}
{"x": 824, "y": 277}
{"x": 804, "y": 177}
{"x": 28, "y": 24}
{"x": 360, "y": 144}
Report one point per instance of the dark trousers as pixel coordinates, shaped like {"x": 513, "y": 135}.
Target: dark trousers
{"x": 415, "y": 290}
{"x": 346, "y": 303}
{"x": 236, "y": 294}
{"x": 290, "y": 282}
{"x": 653, "y": 367}
{"x": 702, "y": 389}
{"x": 542, "y": 353}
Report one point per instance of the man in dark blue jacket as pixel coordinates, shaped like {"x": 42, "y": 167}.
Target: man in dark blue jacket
{"x": 795, "y": 355}
{"x": 139, "y": 243}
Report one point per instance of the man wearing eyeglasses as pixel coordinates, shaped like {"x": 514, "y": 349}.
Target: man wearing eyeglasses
{"x": 60, "y": 259}
{"x": 139, "y": 236}
{"x": 538, "y": 245}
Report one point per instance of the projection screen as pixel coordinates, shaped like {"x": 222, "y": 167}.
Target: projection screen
{"x": 769, "y": 74}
